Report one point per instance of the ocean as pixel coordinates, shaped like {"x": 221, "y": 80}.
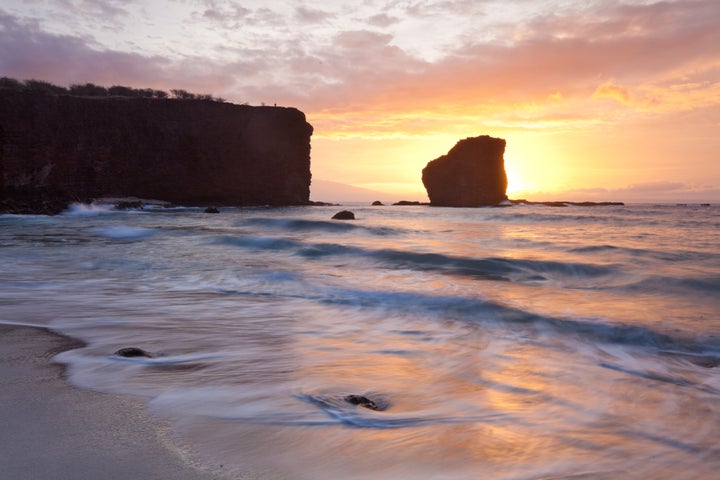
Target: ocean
{"x": 527, "y": 342}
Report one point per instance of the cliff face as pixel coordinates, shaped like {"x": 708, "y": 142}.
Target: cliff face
{"x": 472, "y": 174}
{"x": 182, "y": 151}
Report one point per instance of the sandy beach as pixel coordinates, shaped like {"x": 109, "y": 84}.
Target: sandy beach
{"x": 52, "y": 430}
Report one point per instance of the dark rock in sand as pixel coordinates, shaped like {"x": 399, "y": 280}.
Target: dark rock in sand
{"x": 377, "y": 203}
{"x": 344, "y": 215}
{"x": 471, "y": 174}
{"x": 57, "y": 149}
{"x": 212, "y": 210}
{"x": 130, "y": 352}
{"x": 362, "y": 401}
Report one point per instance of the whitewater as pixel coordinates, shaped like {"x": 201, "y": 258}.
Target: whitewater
{"x": 527, "y": 342}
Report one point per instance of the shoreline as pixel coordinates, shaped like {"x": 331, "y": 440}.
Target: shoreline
{"x": 53, "y": 430}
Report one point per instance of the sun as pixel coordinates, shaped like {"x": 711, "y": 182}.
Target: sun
{"x": 518, "y": 179}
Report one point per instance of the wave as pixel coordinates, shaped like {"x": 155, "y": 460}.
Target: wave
{"x": 480, "y": 311}
{"x": 491, "y": 268}
{"x": 336, "y": 408}
{"x": 259, "y": 243}
{"x": 571, "y": 274}
{"x": 661, "y": 377}
{"x": 645, "y": 216}
{"x": 283, "y": 407}
{"x": 88, "y": 210}
{"x": 299, "y": 225}
{"x": 123, "y": 232}
{"x": 564, "y": 217}
{"x": 677, "y": 285}
{"x": 683, "y": 255}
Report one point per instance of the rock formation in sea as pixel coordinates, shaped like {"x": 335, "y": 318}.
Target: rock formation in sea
{"x": 471, "y": 174}
{"x": 344, "y": 215}
{"x": 59, "y": 148}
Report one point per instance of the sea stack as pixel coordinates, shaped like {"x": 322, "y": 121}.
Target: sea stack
{"x": 64, "y": 148}
{"x": 471, "y": 174}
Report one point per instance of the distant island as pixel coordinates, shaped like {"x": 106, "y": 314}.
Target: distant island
{"x": 566, "y": 204}
{"x": 74, "y": 145}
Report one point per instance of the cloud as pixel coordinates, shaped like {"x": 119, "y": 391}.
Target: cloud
{"x": 91, "y": 8}
{"x": 428, "y": 8}
{"x": 382, "y": 20}
{"x": 361, "y": 40}
{"x": 80, "y": 15}
{"x": 64, "y": 59}
{"x": 229, "y": 15}
{"x": 311, "y": 15}
{"x": 610, "y": 90}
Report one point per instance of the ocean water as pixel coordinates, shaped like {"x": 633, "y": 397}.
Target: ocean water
{"x": 507, "y": 343}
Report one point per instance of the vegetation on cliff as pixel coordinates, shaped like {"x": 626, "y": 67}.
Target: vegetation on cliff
{"x": 92, "y": 90}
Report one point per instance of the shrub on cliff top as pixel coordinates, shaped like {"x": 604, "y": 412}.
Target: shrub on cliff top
{"x": 92, "y": 90}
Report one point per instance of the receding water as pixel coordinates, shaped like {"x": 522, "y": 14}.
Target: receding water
{"x": 516, "y": 343}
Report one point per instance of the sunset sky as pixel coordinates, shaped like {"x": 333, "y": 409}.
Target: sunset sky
{"x": 598, "y": 99}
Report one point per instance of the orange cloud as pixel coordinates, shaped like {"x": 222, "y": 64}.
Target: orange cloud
{"x": 610, "y": 90}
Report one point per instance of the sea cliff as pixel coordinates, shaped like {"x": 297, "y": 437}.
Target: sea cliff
{"x": 60, "y": 148}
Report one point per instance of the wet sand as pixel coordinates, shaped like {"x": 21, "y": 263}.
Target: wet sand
{"x": 52, "y": 430}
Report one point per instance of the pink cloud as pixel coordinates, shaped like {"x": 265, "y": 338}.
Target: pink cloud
{"x": 64, "y": 59}
{"x": 311, "y": 15}
{"x": 382, "y": 20}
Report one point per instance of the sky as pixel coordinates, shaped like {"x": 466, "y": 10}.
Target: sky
{"x": 597, "y": 99}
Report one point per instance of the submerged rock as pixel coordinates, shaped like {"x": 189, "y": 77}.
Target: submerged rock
{"x": 129, "y": 205}
{"x": 29, "y": 202}
{"x": 212, "y": 210}
{"x": 471, "y": 174}
{"x": 344, "y": 215}
{"x": 130, "y": 352}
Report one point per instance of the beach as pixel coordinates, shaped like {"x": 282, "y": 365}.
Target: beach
{"x": 52, "y": 430}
